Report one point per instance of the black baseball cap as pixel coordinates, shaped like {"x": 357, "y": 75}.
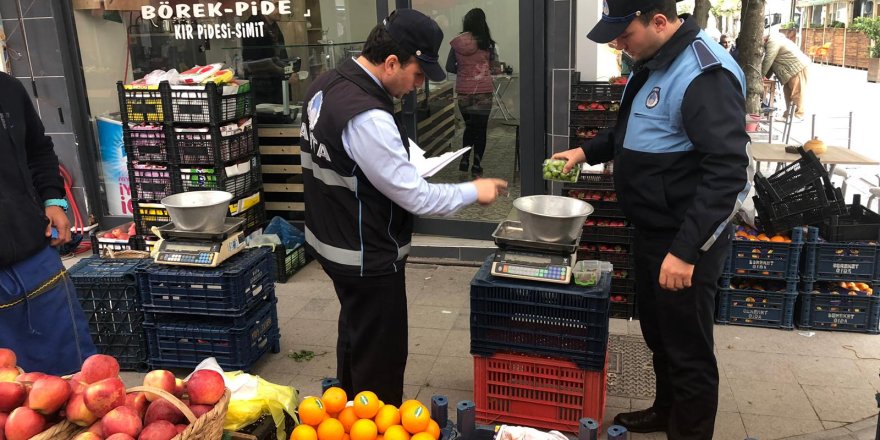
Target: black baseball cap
{"x": 419, "y": 35}
{"x": 617, "y": 15}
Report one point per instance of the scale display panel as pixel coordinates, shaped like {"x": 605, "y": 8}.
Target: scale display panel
{"x": 547, "y": 268}
{"x": 198, "y": 253}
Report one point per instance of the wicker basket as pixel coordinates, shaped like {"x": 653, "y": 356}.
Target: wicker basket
{"x": 62, "y": 430}
{"x": 207, "y": 427}
{"x": 128, "y": 253}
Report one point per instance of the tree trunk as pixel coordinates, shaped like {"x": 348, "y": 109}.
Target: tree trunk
{"x": 701, "y": 12}
{"x": 751, "y": 52}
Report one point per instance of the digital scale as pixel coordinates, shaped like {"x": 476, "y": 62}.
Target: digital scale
{"x": 200, "y": 248}
{"x": 525, "y": 259}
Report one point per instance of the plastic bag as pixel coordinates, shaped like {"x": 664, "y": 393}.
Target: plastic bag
{"x": 522, "y": 433}
{"x": 290, "y": 236}
{"x": 253, "y": 396}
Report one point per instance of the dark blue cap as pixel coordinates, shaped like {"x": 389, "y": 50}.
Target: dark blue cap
{"x": 617, "y": 15}
{"x": 419, "y": 35}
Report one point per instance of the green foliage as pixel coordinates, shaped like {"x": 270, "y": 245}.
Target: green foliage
{"x": 789, "y": 25}
{"x": 870, "y": 26}
{"x": 837, "y": 24}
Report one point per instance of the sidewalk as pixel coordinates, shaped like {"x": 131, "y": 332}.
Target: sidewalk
{"x": 774, "y": 383}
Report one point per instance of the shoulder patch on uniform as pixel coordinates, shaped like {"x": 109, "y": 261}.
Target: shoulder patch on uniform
{"x": 705, "y": 57}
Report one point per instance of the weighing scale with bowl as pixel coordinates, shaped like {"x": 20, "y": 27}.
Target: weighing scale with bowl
{"x": 520, "y": 257}
{"x": 199, "y": 248}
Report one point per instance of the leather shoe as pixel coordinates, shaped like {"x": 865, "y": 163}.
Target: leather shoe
{"x": 643, "y": 421}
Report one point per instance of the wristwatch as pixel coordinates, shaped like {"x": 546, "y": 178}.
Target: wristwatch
{"x": 56, "y": 202}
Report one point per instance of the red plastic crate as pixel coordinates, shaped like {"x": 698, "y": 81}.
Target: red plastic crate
{"x": 534, "y": 391}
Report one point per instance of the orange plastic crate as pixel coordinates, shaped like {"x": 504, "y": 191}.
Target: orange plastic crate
{"x": 535, "y": 391}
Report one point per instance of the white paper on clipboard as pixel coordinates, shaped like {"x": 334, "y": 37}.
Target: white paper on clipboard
{"x": 428, "y": 166}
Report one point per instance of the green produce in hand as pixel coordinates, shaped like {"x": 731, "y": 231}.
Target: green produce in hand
{"x": 553, "y": 171}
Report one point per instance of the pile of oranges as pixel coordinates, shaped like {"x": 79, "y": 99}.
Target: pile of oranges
{"x": 333, "y": 417}
{"x": 746, "y": 233}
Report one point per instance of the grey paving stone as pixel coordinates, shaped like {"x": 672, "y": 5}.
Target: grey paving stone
{"x": 432, "y": 317}
{"x": 760, "y": 366}
{"x": 770, "y": 427}
{"x": 426, "y": 340}
{"x": 458, "y": 344}
{"x": 463, "y": 321}
{"x": 618, "y": 326}
{"x": 452, "y": 373}
{"x": 772, "y": 399}
{"x": 870, "y": 369}
{"x": 326, "y": 309}
{"x": 840, "y": 404}
{"x": 303, "y": 331}
{"x": 418, "y": 368}
{"x": 830, "y": 372}
{"x": 729, "y": 426}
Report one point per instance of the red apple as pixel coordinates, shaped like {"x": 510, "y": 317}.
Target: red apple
{"x": 7, "y": 358}
{"x": 12, "y": 395}
{"x": 122, "y": 420}
{"x": 88, "y": 436}
{"x": 205, "y": 387}
{"x": 98, "y": 367}
{"x": 9, "y": 374}
{"x": 3, "y": 417}
{"x": 78, "y": 413}
{"x": 29, "y": 377}
{"x": 103, "y": 396}
{"x": 120, "y": 436}
{"x": 137, "y": 402}
{"x": 200, "y": 410}
{"x": 179, "y": 388}
{"x": 161, "y": 379}
{"x": 97, "y": 428}
{"x": 23, "y": 423}
{"x": 159, "y": 430}
{"x": 163, "y": 410}
{"x": 180, "y": 427}
{"x": 48, "y": 394}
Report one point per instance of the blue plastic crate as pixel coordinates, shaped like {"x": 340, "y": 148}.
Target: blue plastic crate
{"x": 231, "y": 289}
{"x": 107, "y": 291}
{"x": 828, "y": 261}
{"x": 756, "y": 308}
{"x": 567, "y": 321}
{"x": 765, "y": 259}
{"x": 185, "y": 343}
{"x": 838, "y": 311}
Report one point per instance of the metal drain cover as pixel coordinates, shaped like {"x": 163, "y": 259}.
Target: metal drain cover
{"x": 630, "y": 367}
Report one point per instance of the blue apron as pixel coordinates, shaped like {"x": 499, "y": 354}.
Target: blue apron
{"x": 41, "y": 319}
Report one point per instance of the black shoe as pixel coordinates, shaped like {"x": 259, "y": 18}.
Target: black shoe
{"x": 463, "y": 165}
{"x": 643, "y": 421}
{"x": 477, "y": 171}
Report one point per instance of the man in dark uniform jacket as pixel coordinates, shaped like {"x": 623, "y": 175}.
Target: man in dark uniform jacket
{"x": 681, "y": 171}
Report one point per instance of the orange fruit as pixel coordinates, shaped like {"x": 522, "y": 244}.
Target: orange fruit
{"x": 347, "y": 417}
{"x": 380, "y": 437}
{"x": 304, "y": 432}
{"x": 422, "y": 436}
{"x": 312, "y": 411}
{"x": 330, "y": 429}
{"x": 415, "y": 419}
{"x": 778, "y": 239}
{"x": 433, "y": 429}
{"x": 396, "y": 432}
{"x": 388, "y": 415}
{"x": 364, "y": 429}
{"x": 405, "y": 405}
{"x": 366, "y": 404}
{"x": 334, "y": 399}
{"x": 346, "y": 436}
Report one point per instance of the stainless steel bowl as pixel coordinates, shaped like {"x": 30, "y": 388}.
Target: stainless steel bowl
{"x": 552, "y": 219}
{"x": 198, "y": 210}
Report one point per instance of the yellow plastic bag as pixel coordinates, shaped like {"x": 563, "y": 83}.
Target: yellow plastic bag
{"x": 252, "y": 396}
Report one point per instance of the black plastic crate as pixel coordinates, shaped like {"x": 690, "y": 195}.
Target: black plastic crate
{"x": 566, "y": 321}
{"x": 187, "y": 342}
{"x": 217, "y": 178}
{"x": 597, "y": 91}
{"x": 100, "y": 245}
{"x": 592, "y": 119}
{"x": 622, "y": 310}
{"x": 107, "y": 292}
{"x": 146, "y": 143}
{"x": 860, "y": 223}
{"x": 147, "y": 215}
{"x": 793, "y": 177}
{"x": 766, "y": 259}
{"x": 593, "y": 181}
{"x": 229, "y": 290}
{"x": 289, "y": 261}
{"x": 841, "y": 261}
{"x": 813, "y": 197}
{"x": 151, "y": 184}
{"x": 756, "y": 306}
{"x": 838, "y": 310}
{"x": 264, "y": 428}
{"x": 620, "y": 260}
{"x": 140, "y": 103}
{"x": 254, "y": 217}
{"x": 206, "y": 104}
{"x": 143, "y": 242}
{"x": 206, "y": 145}
{"x": 607, "y": 234}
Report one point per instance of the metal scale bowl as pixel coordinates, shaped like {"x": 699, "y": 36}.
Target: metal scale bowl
{"x": 524, "y": 251}
{"x": 199, "y": 234}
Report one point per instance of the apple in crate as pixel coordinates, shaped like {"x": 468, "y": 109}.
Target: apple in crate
{"x": 159, "y": 430}
{"x": 78, "y": 413}
{"x": 12, "y": 395}
{"x": 105, "y": 395}
{"x": 122, "y": 420}
{"x": 98, "y": 367}
{"x": 205, "y": 387}
{"x": 163, "y": 410}
{"x": 48, "y": 394}
{"x": 161, "y": 379}
{"x": 23, "y": 423}
{"x": 7, "y": 358}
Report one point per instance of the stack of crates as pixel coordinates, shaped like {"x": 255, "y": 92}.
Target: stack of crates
{"x": 841, "y": 269}
{"x": 108, "y": 293}
{"x": 607, "y": 236}
{"x": 594, "y": 106}
{"x": 539, "y": 351}
{"x": 190, "y": 138}
{"x": 758, "y": 286}
{"x": 228, "y": 312}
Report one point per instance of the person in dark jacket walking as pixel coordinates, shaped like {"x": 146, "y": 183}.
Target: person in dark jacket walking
{"x": 681, "y": 171}
{"x": 362, "y": 192}
{"x": 40, "y": 316}
{"x": 471, "y": 60}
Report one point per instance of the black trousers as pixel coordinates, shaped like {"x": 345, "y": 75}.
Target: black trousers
{"x": 475, "y": 110}
{"x": 372, "y": 345}
{"x": 677, "y": 327}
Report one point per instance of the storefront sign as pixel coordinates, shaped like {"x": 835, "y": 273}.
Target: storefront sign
{"x": 203, "y": 31}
